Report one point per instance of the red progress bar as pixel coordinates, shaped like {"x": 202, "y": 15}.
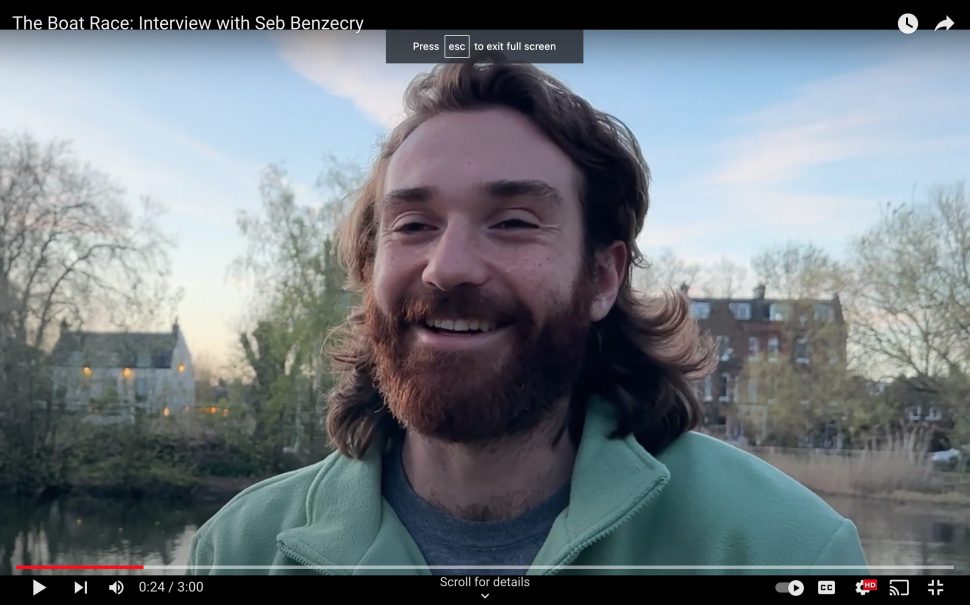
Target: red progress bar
{"x": 76, "y": 567}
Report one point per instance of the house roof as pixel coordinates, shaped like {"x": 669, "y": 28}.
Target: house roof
{"x": 115, "y": 350}
{"x": 760, "y": 308}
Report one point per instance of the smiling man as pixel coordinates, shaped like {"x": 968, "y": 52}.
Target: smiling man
{"x": 505, "y": 402}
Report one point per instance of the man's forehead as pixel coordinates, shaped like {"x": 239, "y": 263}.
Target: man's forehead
{"x": 482, "y": 150}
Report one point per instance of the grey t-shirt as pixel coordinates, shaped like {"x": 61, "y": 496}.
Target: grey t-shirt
{"x": 446, "y": 540}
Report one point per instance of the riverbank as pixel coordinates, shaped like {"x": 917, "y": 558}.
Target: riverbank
{"x": 899, "y": 477}
{"x": 213, "y": 489}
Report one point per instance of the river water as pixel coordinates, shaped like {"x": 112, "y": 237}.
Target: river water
{"x": 91, "y": 531}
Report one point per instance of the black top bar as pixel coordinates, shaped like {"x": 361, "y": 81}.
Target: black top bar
{"x": 671, "y": 15}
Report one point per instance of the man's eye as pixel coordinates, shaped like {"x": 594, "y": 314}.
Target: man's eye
{"x": 413, "y": 227}
{"x": 514, "y": 223}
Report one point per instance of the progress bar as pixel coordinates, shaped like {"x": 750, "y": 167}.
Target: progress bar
{"x": 551, "y": 567}
{"x": 863, "y": 568}
{"x": 81, "y": 567}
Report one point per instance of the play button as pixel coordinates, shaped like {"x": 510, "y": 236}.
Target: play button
{"x": 38, "y": 587}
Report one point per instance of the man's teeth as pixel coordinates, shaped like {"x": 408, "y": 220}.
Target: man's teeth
{"x": 461, "y": 325}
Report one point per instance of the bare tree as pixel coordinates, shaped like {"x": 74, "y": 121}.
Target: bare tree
{"x": 69, "y": 245}
{"x": 913, "y": 296}
{"x": 914, "y": 285}
{"x": 70, "y": 250}
{"x": 725, "y": 279}
{"x": 799, "y": 270}
{"x": 665, "y": 271}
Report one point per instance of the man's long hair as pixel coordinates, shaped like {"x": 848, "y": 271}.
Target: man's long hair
{"x": 641, "y": 357}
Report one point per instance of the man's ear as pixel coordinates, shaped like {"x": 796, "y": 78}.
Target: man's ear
{"x": 610, "y": 270}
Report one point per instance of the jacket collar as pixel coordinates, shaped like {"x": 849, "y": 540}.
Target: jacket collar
{"x": 350, "y": 524}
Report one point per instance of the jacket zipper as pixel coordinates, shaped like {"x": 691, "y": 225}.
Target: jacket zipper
{"x": 303, "y": 560}
{"x": 573, "y": 554}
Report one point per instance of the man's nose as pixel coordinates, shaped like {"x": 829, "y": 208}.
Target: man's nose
{"x": 455, "y": 259}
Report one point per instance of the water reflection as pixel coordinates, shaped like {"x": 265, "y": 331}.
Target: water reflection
{"x": 119, "y": 532}
{"x": 910, "y": 534}
{"x": 74, "y": 531}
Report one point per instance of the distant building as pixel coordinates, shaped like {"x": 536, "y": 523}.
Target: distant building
{"x": 922, "y": 404}
{"x": 114, "y": 376}
{"x": 807, "y": 334}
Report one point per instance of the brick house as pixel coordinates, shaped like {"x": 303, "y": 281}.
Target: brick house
{"x": 753, "y": 335}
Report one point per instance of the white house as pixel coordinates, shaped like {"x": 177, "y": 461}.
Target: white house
{"x": 116, "y": 374}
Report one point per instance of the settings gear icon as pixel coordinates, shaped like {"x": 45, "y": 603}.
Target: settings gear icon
{"x": 859, "y": 589}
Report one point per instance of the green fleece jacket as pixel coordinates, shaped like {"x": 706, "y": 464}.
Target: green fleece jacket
{"x": 700, "y": 504}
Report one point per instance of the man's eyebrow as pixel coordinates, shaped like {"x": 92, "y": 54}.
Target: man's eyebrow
{"x": 522, "y": 188}
{"x": 406, "y": 195}
{"x": 502, "y": 189}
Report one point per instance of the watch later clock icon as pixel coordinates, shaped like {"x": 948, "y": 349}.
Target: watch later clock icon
{"x": 908, "y": 23}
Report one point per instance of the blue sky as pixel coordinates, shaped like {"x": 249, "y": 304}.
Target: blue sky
{"x": 753, "y": 138}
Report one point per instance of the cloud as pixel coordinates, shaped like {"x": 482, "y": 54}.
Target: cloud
{"x": 144, "y": 153}
{"x": 815, "y": 164}
{"x": 874, "y": 113}
{"x": 793, "y": 213}
{"x": 352, "y": 66}
{"x": 780, "y": 154}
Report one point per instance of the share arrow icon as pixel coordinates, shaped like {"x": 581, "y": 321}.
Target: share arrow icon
{"x": 945, "y": 24}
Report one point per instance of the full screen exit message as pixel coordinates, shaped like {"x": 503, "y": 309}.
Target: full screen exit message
{"x": 440, "y": 46}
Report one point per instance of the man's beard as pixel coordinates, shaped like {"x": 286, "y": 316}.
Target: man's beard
{"x": 473, "y": 396}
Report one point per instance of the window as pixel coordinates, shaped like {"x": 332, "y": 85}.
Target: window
{"x": 141, "y": 386}
{"x": 741, "y": 310}
{"x": 752, "y": 390}
{"x": 142, "y": 359}
{"x": 824, "y": 312}
{"x": 802, "y": 350}
{"x": 915, "y": 412}
{"x": 724, "y": 350}
{"x": 773, "y": 348}
{"x": 779, "y": 311}
{"x": 161, "y": 359}
{"x": 724, "y": 388}
{"x": 753, "y": 346}
{"x": 700, "y": 310}
{"x": 708, "y": 388}
{"x": 933, "y": 414}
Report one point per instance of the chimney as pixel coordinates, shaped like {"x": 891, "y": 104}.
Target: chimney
{"x": 759, "y": 292}
{"x": 684, "y": 287}
{"x": 175, "y": 327}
